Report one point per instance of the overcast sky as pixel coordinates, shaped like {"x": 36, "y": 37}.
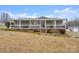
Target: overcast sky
{"x": 60, "y": 11}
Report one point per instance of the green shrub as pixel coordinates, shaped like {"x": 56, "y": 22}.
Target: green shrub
{"x": 7, "y": 24}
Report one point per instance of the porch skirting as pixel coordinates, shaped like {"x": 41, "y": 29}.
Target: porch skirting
{"x": 61, "y": 31}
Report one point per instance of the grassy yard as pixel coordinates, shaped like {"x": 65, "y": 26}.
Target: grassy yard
{"x": 2, "y": 26}
{"x": 15, "y": 41}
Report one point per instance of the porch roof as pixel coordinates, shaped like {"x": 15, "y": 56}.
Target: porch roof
{"x": 39, "y": 19}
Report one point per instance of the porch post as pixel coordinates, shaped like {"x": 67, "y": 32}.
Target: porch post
{"x": 10, "y": 24}
{"x": 20, "y": 23}
{"x": 40, "y": 25}
{"x": 30, "y": 24}
{"x": 45, "y": 26}
{"x": 66, "y": 24}
{"x": 55, "y": 24}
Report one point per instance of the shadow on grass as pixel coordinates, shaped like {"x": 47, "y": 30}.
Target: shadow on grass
{"x": 39, "y": 33}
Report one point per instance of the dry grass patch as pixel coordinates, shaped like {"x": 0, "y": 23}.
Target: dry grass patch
{"x": 15, "y": 41}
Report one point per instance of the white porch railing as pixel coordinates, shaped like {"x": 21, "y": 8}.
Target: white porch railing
{"x": 38, "y": 26}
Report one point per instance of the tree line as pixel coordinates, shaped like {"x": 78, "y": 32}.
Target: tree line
{"x": 74, "y": 22}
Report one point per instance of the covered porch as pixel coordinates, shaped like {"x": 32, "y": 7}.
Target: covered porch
{"x": 37, "y": 24}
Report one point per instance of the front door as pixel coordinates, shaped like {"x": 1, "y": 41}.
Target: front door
{"x": 42, "y": 24}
